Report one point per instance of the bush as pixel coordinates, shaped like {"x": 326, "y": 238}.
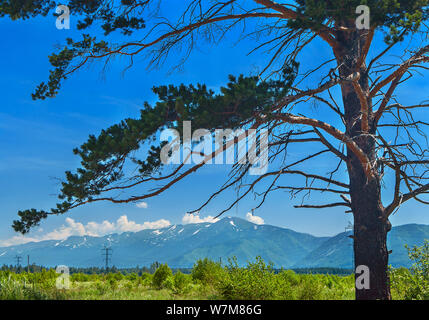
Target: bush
{"x": 15, "y": 290}
{"x": 130, "y": 285}
{"x": 80, "y": 277}
{"x": 290, "y": 277}
{"x": 146, "y": 279}
{"x": 161, "y": 275}
{"x": 113, "y": 283}
{"x": 400, "y": 280}
{"x": 257, "y": 281}
{"x": 181, "y": 283}
{"x": 309, "y": 288}
{"x": 169, "y": 283}
{"x": 101, "y": 288}
{"x": 413, "y": 284}
{"x": 132, "y": 276}
{"x": 207, "y": 272}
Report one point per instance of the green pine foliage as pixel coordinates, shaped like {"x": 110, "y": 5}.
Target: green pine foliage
{"x": 396, "y": 18}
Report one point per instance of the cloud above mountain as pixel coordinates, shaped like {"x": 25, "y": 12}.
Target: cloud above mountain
{"x": 189, "y": 218}
{"x": 95, "y": 229}
{"x": 254, "y": 219}
{"x": 99, "y": 229}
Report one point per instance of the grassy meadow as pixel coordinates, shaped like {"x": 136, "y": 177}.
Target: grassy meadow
{"x": 209, "y": 280}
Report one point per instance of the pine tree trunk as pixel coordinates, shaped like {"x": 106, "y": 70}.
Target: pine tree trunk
{"x": 370, "y": 234}
{"x": 370, "y": 225}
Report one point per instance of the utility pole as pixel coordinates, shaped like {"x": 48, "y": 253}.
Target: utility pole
{"x": 107, "y": 256}
{"x": 28, "y": 263}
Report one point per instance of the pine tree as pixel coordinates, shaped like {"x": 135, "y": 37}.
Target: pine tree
{"x": 270, "y": 100}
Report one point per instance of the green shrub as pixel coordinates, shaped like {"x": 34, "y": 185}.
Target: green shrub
{"x": 181, "y": 283}
{"x": 413, "y": 284}
{"x": 113, "y": 283}
{"x": 169, "y": 283}
{"x": 146, "y": 279}
{"x": 101, "y": 288}
{"x": 257, "y": 281}
{"x": 207, "y": 272}
{"x": 161, "y": 275}
{"x": 400, "y": 280}
{"x": 25, "y": 287}
{"x": 290, "y": 277}
{"x": 80, "y": 277}
{"x": 310, "y": 288}
{"x": 132, "y": 276}
{"x": 118, "y": 276}
{"x": 129, "y": 285}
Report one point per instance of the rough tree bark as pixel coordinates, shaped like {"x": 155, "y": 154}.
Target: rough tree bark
{"x": 370, "y": 223}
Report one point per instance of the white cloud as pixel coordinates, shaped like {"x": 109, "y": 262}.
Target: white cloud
{"x": 142, "y": 205}
{"x": 189, "y": 218}
{"x": 124, "y": 225}
{"x": 95, "y": 229}
{"x": 16, "y": 240}
{"x": 254, "y": 219}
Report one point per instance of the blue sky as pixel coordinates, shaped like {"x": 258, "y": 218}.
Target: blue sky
{"x": 37, "y": 137}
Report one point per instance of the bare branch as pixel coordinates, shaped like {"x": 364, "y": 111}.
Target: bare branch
{"x": 332, "y": 205}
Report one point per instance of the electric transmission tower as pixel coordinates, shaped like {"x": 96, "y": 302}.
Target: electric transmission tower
{"x": 18, "y": 260}
{"x": 107, "y": 256}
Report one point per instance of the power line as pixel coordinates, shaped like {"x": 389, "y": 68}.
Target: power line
{"x": 106, "y": 253}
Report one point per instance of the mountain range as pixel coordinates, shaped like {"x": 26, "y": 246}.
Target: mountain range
{"x": 181, "y": 245}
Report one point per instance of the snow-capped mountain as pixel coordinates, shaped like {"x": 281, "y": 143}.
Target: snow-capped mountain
{"x": 182, "y": 245}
